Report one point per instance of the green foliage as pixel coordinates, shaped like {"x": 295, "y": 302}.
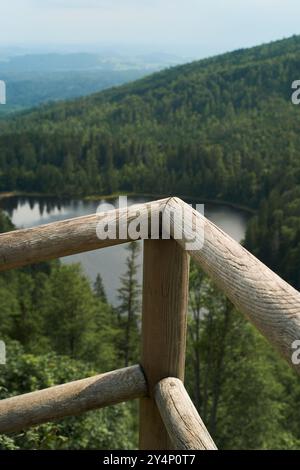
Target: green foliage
{"x": 99, "y": 288}
{"x": 274, "y": 233}
{"x": 110, "y": 428}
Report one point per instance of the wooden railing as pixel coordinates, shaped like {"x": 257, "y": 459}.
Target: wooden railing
{"x": 168, "y": 419}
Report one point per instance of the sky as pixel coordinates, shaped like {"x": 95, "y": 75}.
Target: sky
{"x": 195, "y": 28}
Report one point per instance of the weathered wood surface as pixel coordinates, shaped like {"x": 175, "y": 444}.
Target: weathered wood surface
{"x": 185, "y": 427}
{"x": 22, "y": 247}
{"x": 271, "y": 304}
{"x": 165, "y": 299}
{"x": 20, "y": 412}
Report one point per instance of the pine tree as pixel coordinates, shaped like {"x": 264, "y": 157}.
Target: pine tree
{"x": 69, "y": 310}
{"x": 129, "y": 308}
{"x": 99, "y": 289}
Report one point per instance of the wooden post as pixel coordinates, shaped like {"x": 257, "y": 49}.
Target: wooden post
{"x": 165, "y": 300}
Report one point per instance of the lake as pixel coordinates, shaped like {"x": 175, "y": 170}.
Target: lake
{"x": 28, "y": 212}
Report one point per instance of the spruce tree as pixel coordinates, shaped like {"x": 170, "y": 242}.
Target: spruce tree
{"x": 129, "y": 307}
{"x": 99, "y": 289}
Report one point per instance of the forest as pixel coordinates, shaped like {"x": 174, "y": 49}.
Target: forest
{"x": 222, "y": 128}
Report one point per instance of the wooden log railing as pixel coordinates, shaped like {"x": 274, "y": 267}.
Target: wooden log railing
{"x": 168, "y": 419}
{"x": 71, "y": 399}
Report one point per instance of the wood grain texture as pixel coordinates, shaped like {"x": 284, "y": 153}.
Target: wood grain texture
{"x": 271, "y": 304}
{"x": 185, "y": 427}
{"x": 165, "y": 300}
{"x": 68, "y": 237}
{"x": 20, "y": 412}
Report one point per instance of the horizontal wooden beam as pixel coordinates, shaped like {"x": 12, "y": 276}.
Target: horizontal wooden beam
{"x": 74, "y": 398}
{"x": 185, "y": 427}
{"x": 68, "y": 237}
{"x": 270, "y": 303}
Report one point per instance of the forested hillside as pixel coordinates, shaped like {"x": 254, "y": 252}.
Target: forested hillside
{"x": 221, "y": 128}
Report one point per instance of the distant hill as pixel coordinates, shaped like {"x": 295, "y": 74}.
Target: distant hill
{"x": 31, "y": 89}
{"x": 33, "y": 79}
{"x": 76, "y": 61}
{"x": 221, "y": 128}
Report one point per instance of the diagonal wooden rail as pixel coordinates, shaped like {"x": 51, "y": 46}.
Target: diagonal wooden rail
{"x": 269, "y": 302}
{"x": 185, "y": 427}
{"x": 166, "y": 412}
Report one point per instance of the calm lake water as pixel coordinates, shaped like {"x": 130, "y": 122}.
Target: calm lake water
{"x": 110, "y": 262}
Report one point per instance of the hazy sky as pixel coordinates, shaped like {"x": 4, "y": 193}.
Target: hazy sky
{"x": 195, "y": 27}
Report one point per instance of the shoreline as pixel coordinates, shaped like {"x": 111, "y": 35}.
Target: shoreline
{"x": 107, "y": 197}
